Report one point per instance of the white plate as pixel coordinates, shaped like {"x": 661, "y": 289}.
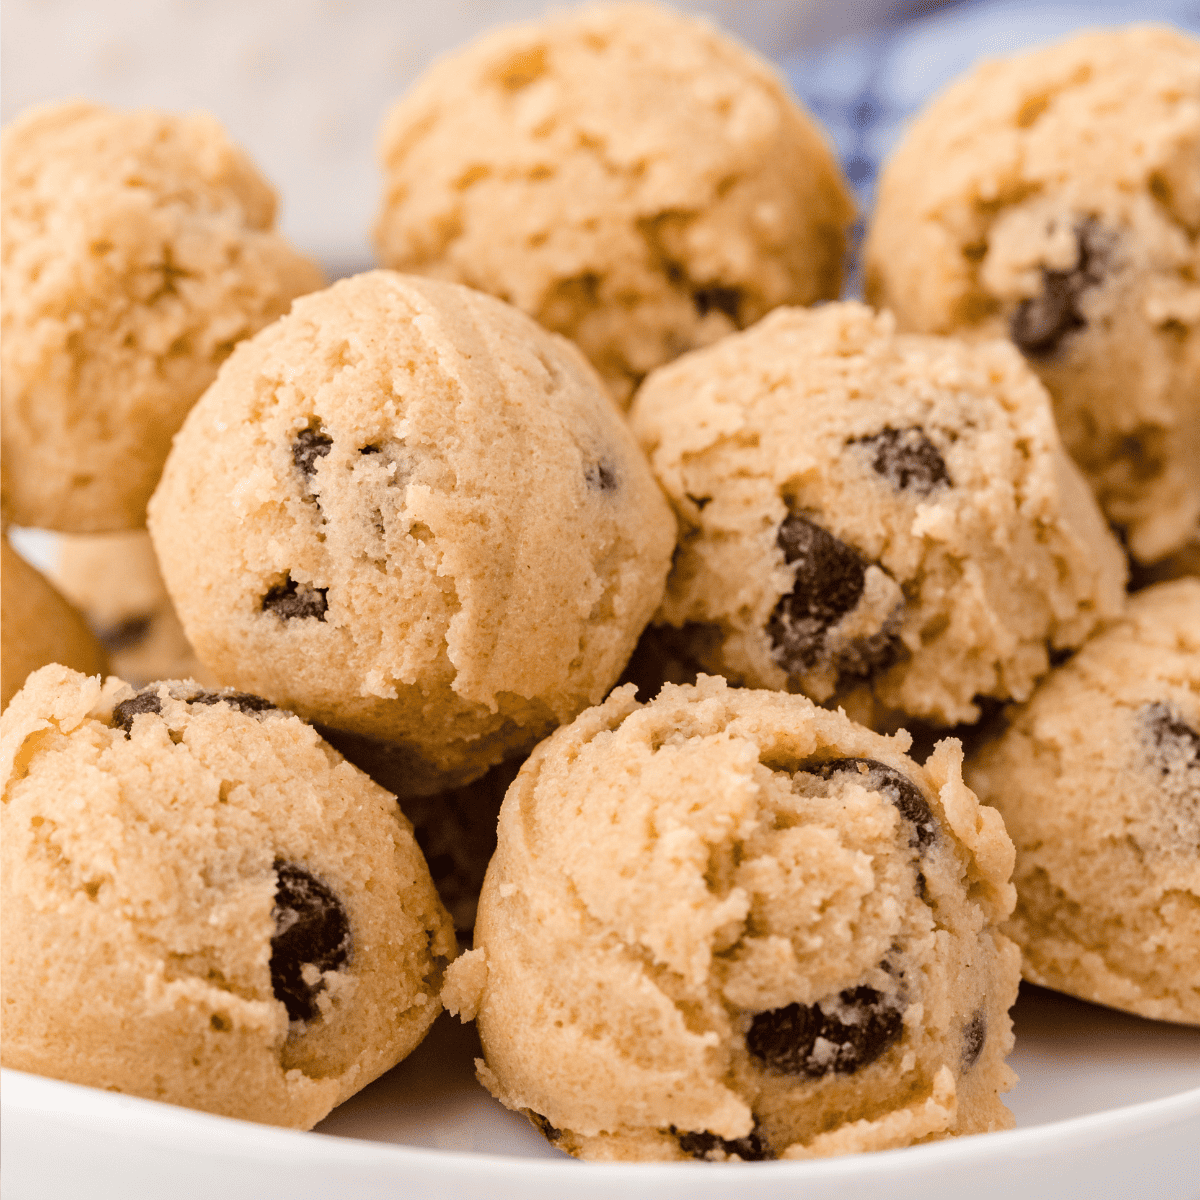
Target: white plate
{"x": 1108, "y": 1106}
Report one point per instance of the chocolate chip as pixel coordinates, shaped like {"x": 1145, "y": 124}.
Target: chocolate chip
{"x": 601, "y": 476}
{"x": 721, "y": 299}
{"x": 1172, "y": 740}
{"x": 126, "y": 635}
{"x": 242, "y": 701}
{"x": 907, "y": 459}
{"x": 704, "y": 1145}
{"x": 786, "y": 1039}
{"x": 974, "y": 1037}
{"x": 542, "y": 1124}
{"x": 310, "y": 444}
{"x": 829, "y": 582}
{"x": 898, "y": 788}
{"x": 292, "y": 599}
{"x": 310, "y": 927}
{"x": 1039, "y": 325}
{"x": 146, "y": 701}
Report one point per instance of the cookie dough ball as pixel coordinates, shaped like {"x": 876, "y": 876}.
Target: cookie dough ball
{"x": 629, "y": 176}
{"x": 114, "y": 580}
{"x": 38, "y": 627}
{"x": 729, "y": 924}
{"x": 1054, "y": 197}
{"x": 205, "y": 904}
{"x": 409, "y": 513}
{"x": 861, "y": 508}
{"x": 1098, "y": 779}
{"x": 138, "y": 249}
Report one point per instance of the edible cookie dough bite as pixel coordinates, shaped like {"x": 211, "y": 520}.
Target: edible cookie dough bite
{"x": 1098, "y": 779}
{"x": 138, "y": 248}
{"x": 872, "y": 516}
{"x": 628, "y": 175}
{"x": 38, "y": 626}
{"x": 205, "y": 904}
{"x": 731, "y": 925}
{"x": 412, "y": 515}
{"x": 1054, "y": 197}
{"x": 114, "y": 580}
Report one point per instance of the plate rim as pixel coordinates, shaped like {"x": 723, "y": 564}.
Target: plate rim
{"x": 35, "y": 1096}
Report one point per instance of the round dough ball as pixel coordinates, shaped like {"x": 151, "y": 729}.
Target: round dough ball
{"x": 629, "y": 176}
{"x": 205, "y": 904}
{"x": 137, "y": 250}
{"x": 38, "y": 627}
{"x": 114, "y": 580}
{"x": 1098, "y": 779}
{"x": 861, "y": 509}
{"x": 408, "y": 512}
{"x": 1054, "y": 197}
{"x": 731, "y": 924}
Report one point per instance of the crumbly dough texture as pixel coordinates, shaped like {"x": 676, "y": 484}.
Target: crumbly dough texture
{"x": 408, "y": 512}
{"x": 678, "y": 893}
{"x": 628, "y": 175}
{"x": 863, "y": 511}
{"x": 113, "y": 579}
{"x": 151, "y": 875}
{"x": 1098, "y": 779}
{"x": 137, "y": 250}
{"x": 1055, "y": 197}
{"x": 38, "y": 626}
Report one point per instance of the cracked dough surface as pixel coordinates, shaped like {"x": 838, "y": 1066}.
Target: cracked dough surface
{"x": 144, "y": 911}
{"x": 409, "y": 513}
{"x": 1064, "y": 209}
{"x": 865, "y": 511}
{"x": 629, "y": 176}
{"x": 138, "y": 248}
{"x": 731, "y": 924}
{"x": 1098, "y": 780}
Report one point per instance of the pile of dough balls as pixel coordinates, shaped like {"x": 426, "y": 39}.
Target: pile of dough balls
{"x": 378, "y": 557}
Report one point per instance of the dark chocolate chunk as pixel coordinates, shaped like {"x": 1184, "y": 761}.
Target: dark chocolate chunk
{"x": 242, "y": 701}
{"x": 146, "y": 701}
{"x": 310, "y": 444}
{"x": 310, "y": 927}
{"x": 829, "y": 583}
{"x": 550, "y": 1132}
{"x": 907, "y": 459}
{"x": 601, "y": 476}
{"x": 974, "y": 1037}
{"x": 785, "y": 1039}
{"x": 1172, "y": 739}
{"x": 704, "y": 1145}
{"x": 721, "y": 299}
{"x": 898, "y": 788}
{"x": 292, "y": 599}
{"x": 124, "y": 636}
{"x": 1039, "y": 325}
